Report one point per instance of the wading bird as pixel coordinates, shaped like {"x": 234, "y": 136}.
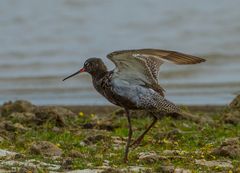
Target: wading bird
{"x": 133, "y": 84}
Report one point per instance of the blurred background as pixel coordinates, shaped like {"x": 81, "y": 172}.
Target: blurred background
{"x": 44, "y": 41}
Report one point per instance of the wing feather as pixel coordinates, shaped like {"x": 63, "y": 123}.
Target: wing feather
{"x": 173, "y": 56}
{"x": 142, "y": 65}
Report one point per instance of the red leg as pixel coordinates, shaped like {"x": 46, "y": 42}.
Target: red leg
{"x": 140, "y": 138}
{"x": 129, "y": 136}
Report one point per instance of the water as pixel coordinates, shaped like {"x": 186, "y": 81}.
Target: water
{"x": 44, "y": 41}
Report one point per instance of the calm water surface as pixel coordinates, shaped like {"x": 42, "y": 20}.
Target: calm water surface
{"x": 44, "y": 41}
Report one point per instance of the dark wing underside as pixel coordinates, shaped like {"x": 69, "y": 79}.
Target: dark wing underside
{"x": 141, "y": 66}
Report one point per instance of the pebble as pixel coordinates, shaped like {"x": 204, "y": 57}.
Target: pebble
{"x": 215, "y": 163}
{"x": 45, "y": 148}
{"x": 4, "y": 153}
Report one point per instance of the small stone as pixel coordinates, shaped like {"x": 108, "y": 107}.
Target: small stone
{"x": 170, "y": 134}
{"x": 106, "y": 163}
{"x": 148, "y": 157}
{"x": 139, "y": 169}
{"x": 29, "y": 164}
{"x": 102, "y": 125}
{"x": 17, "y": 106}
{"x": 20, "y": 127}
{"x": 86, "y": 171}
{"x": 215, "y": 163}
{"x": 4, "y": 153}
{"x": 56, "y": 129}
{"x": 9, "y": 126}
{"x": 94, "y": 139}
{"x": 67, "y": 163}
{"x": 230, "y": 147}
{"x": 18, "y": 156}
{"x": 231, "y": 141}
{"x": 44, "y": 115}
{"x": 22, "y": 117}
{"x": 106, "y": 125}
{"x": 174, "y": 152}
{"x": 235, "y": 104}
{"x": 166, "y": 169}
{"x": 88, "y": 126}
{"x": 112, "y": 170}
{"x": 75, "y": 154}
{"x": 171, "y": 169}
{"x": 54, "y": 114}
{"x": 82, "y": 143}
{"x": 232, "y": 117}
{"x": 56, "y": 110}
{"x": 180, "y": 170}
{"x": 118, "y": 142}
{"x": 45, "y": 148}
{"x": 27, "y": 169}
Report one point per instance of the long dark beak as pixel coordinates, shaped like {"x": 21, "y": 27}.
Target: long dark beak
{"x": 80, "y": 71}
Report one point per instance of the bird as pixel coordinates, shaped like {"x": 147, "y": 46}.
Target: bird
{"x": 134, "y": 85}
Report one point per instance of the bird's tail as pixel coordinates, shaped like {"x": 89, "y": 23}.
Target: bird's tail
{"x": 191, "y": 117}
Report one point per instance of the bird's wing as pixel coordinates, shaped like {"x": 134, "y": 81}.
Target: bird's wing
{"x": 131, "y": 69}
{"x": 144, "y": 64}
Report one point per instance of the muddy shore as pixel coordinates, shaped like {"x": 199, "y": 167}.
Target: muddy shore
{"x": 92, "y": 138}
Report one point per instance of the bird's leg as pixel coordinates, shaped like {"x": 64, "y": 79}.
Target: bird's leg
{"x": 140, "y": 138}
{"x": 129, "y": 136}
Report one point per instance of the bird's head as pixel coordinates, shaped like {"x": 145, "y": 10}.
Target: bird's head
{"x": 93, "y": 66}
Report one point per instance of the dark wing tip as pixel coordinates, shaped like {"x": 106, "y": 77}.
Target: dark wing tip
{"x": 181, "y": 58}
{"x": 176, "y": 57}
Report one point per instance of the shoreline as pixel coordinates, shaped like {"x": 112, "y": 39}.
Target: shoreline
{"x": 102, "y": 109}
{"x": 110, "y": 108}
{"x": 107, "y": 108}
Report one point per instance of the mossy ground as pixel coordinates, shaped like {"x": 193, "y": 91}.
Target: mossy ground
{"x": 194, "y": 141}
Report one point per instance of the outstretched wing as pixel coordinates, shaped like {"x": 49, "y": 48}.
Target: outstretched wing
{"x": 145, "y": 63}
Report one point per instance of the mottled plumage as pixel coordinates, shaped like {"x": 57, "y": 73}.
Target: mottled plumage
{"x": 133, "y": 84}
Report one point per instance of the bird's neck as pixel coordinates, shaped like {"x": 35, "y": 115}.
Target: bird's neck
{"x": 99, "y": 74}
